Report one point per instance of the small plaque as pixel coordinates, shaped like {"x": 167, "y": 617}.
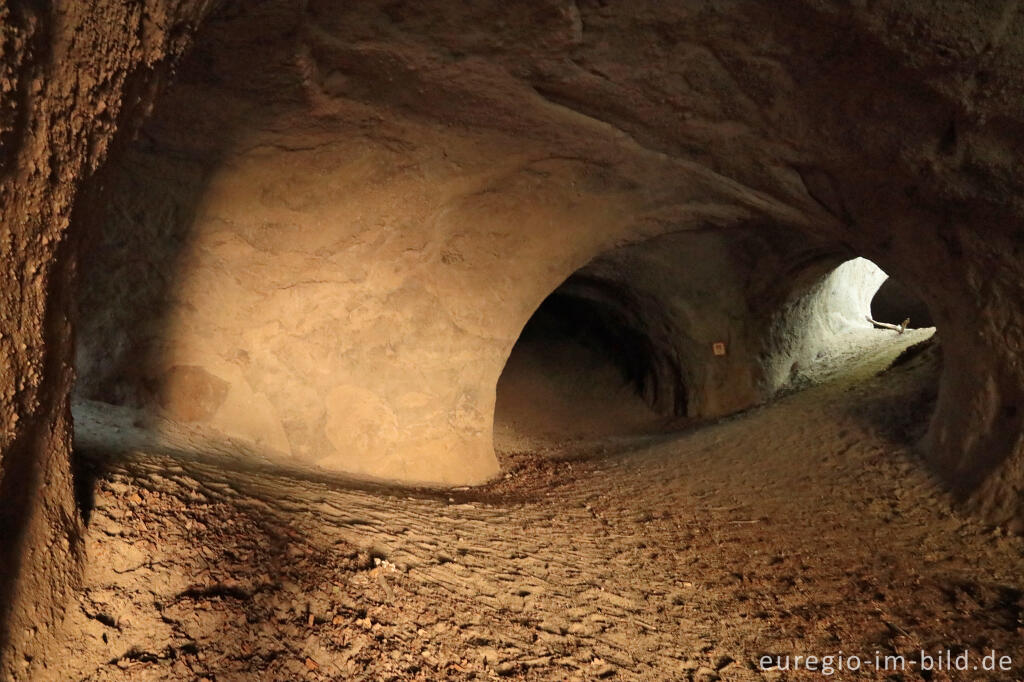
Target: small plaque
{"x": 718, "y": 348}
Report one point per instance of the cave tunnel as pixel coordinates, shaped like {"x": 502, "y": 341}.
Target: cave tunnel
{"x": 627, "y": 344}
{"x": 584, "y": 366}
{"x": 895, "y": 302}
{"x": 544, "y": 340}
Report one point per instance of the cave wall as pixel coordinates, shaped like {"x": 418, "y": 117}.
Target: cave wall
{"x": 340, "y": 281}
{"x": 73, "y": 79}
{"x": 295, "y": 328}
{"x": 379, "y": 142}
{"x": 349, "y": 305}
{"x": 777, "y": 303}
{"x": 926, "y": 172}
{"x": 891, "y": 128}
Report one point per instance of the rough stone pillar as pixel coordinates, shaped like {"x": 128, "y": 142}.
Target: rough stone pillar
{"x": 71, "y": 76}
{"x": 976, "y": 438}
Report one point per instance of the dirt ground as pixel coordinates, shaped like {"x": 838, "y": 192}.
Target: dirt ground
{"x": 804, "y": 527}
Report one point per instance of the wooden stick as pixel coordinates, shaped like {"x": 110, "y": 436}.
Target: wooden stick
{"x": 901, "y": 327}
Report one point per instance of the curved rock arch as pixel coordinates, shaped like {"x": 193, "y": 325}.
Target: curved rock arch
{"x": 773, "y": 299}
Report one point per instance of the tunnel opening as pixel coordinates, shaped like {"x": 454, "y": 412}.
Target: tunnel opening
{"x": 585, "y": 365}
{"x": 895, "y": 301}
{"x": 824, "y": 322}
{"x": 661, "y": 334}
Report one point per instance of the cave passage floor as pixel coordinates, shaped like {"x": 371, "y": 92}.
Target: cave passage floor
{"x": 806, "y": 526}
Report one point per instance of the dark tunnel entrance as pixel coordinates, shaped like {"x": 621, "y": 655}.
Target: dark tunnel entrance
{"x": 895, "y": 301}
{"x": 585, "y": 365}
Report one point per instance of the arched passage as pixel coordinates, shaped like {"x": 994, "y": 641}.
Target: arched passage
{"x": 895, "y": 302}
{"x": 691, "y": 325}
{"x": 585, "y": 365}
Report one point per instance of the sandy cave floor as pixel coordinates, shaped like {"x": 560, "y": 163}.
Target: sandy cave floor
{"x": 807, "y": 526}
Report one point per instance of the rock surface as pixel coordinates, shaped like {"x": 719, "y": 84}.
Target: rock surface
{"x": 398, "y": 186}
{"x": 75, "y": 78}
{"x": 337, "y": 272}
{"x": 685, "y": 556}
